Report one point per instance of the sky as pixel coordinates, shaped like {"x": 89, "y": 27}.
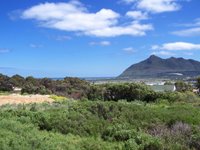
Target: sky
{"x": 94, "y": 38}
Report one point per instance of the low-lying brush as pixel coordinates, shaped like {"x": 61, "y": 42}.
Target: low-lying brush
{"x": 100, "y": 125}
{"x": 58, "y": 98}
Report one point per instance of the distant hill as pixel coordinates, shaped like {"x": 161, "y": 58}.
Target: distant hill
{"x": 155, "y": 67}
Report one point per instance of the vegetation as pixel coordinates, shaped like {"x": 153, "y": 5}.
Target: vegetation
{"x": 123, "y": 116}
{"x": 198, "y": 83}
{"x": 80, "y": 89}
{"x": 100, "y": 125}
{"x": 5, "y": 84}
{"x": 58, "y": 98}
{"x": 68, "y": 87}
{"x": 182, "y": 86}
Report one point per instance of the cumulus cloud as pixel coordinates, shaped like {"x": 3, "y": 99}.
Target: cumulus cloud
{"x": 62, "y": 38}
{"x": 177, "y": 46}
{"x": 101, "y": 43}
{"x": 127, "y": 1}
{"x": 15, "y": 15}
{"x": 129, "y": 50}
{"x": 158, "y": 6}
{"x": 193, "y": 29}
{"x": 188, "y": 32}
{"x": 36, "y": 45}
{"x": 195, "y": 23}
{"x": 164, "y": 53}
{"x": 75, "y": 17}
{"x": 155, "y": 6}
{"x": 137, "y": 15}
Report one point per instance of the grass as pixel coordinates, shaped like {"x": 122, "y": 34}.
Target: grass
{"x": 4, "y": 93}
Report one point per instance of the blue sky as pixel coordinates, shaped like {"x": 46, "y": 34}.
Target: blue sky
{"x": 94, "y": 38}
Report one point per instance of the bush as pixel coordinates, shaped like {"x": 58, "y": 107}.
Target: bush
{"x": 6, "y": 86}
{"x": 148, "y": 142}
{"x": 29, "y": 89}
{"x": 58, "y": 98}
{"x": 131, "y": 138}
{"x": 99, "y": 125}
{"x": 195, "y": 142}
{"x": 182, "y": 86}
{"x": 119, "y": 91}
{"x": 174, "y": 132}
{"x": 15, "y": 135}
{"x": 118, "y": 133}
{"x": 17, "y": 81}
{"x": 131, "y": 145}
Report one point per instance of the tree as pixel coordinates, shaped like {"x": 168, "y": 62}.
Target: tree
{"x": 17, "y": 81}
{"x": 29, "y": 88}
{"x": 32, "y": 80}
{"x": 5, "y": 84}
{"x": 168, "y": 83}
{"x": 182, "y": 86}
{"x": 198, "y": 83}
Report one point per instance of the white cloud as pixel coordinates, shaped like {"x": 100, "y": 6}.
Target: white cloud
{"x": 14, "y": 15}
{"x": 129, "y": 50}
{"x": 155, "y": 47}
{"x": 4, "y": 50}
{"x": 128, "y": 1}
{"x": 62, "y": 38}
{"x": 164, "y": 53}
{"x": 192, "y": 30}
{"x": 188, "y": 32}
{"x": 74, "y": 17}
{"x": 195, "y": 23}
{"x": 137, "y": 15}
{"x": 36, "y": 45}
{"x": 158, "y": 6}
{"x": 101, "y": 43}
{"x": 155, "y": 6}
{"x": 135, "y": 29}
{"x": 177, "y": 46}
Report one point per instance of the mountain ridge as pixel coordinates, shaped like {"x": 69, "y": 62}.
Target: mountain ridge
{"x": 155, "y": 66}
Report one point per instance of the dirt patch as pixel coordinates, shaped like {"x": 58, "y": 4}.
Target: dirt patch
{"x": 23, "y": 99}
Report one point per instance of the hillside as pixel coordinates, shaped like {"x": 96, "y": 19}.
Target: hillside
{"x": 157, "y": 67}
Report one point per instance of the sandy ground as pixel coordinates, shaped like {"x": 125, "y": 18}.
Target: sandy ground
{"x": 23, "y": 99}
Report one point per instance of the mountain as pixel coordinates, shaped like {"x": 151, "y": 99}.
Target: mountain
{"x": 155, "y": 67}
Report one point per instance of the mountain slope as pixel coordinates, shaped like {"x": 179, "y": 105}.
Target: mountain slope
{"x": 157, "y": 67}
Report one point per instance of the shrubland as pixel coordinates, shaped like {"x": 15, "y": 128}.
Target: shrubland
{"x": 121, "y": 116}
{"x": 79, "y": 89}
{"x": 100, "y": 125}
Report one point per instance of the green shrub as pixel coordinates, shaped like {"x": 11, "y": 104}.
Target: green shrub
{"x": 195, "y": 141}
{"x": 58, "y": 98}
{"x": 131, "y": 145}
{"x": 118, "y": 132}
{"x": 147, "y": 142}
{"x": 100, "y": 125}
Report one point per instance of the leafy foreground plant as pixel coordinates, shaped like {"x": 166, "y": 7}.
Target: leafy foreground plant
{"x": 100, "y": 125}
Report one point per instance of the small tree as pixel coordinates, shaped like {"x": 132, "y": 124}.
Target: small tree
{"x": 198, "y": 83}
{"x": 182, "y": 86}
{"x": 5, "y": 85}
{"x": 17, "y": 81}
